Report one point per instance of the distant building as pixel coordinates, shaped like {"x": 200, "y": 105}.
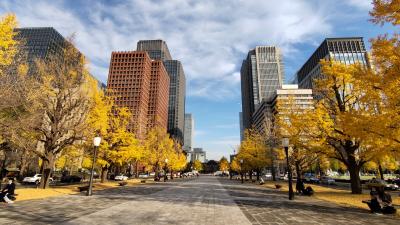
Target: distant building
{"x": 261, "y": 75}
{"x": 158, "y": 50}
{"x": 345, "y": 50}
{"x": 199, "y": 154}
{"x": 188, "y": 132}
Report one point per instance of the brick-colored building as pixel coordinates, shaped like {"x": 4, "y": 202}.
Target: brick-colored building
{"x": 142, "y": 85}
{"x": 159, "y": 92}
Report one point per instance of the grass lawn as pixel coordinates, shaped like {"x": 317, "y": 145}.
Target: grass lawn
{"x": 342, "y": 197}
{"x": 36, "y": 193}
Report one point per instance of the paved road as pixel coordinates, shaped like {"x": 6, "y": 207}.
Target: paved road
{"x": 206, "y": 200}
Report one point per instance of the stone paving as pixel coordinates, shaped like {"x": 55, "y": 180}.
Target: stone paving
{"x": 205, "y": 200}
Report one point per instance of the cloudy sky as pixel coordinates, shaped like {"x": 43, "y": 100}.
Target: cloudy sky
{"x": 210, "y": 37}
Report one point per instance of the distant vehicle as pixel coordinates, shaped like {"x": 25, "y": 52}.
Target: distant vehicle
{"x": 327, "y": 180}
{"x": 70, "y": 179}
{"x": 34, "y": 180}
{"x": 152, "y": 174}
{"x": 121, "y": 177}
{"x": 311, "y": 178}
{"x": 381, "y": 183}
{"x": 267, "y": 176}
{"x": 143, "y": 175}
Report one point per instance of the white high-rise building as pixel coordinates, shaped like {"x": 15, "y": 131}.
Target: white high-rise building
{"x": 261, "y": 75}
{"x": 188, "y": 135}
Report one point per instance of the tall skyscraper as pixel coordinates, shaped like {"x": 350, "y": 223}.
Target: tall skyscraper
{"x": 346, "y": 50}
{"x": 158, "y": 50}
{"x": 177, "y": 92}
{"x": 188, "y": 132}
{"x": 142, "y": 85}
{"x": 41, "y": 43}
{"x": 261, "y": 75}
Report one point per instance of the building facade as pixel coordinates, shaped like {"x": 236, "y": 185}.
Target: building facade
{"x": 158, "y": 50}
{"x": 157, "y": 114}
{"x": 188, "y": 132}
{"x": 177, "y": 92}
{"x": 199, "y": 154}
{"x": 129, "y": 83}
{"x": 261, "y": 75}
{"x": 241, "y": 126}
{"x": 345, "y": 50}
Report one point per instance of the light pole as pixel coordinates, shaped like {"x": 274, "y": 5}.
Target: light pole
{"x": 165, "y": 170}
{"x": 241, "y": 169}
{"x": 96, "y": 144}
{"x": 285, "y": 144}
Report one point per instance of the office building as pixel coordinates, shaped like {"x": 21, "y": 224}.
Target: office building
{"x": 188, "y": 132}
{"x": 345, "y": 50}
{"x": 199, "y": 154}
{"x": 40, "y": 42}
{"x": 261, "y": 75}
{"x": 158, "y": 96}
{"x": 129, "y": 83}
{"x": 289, "y": 94}
{"x": 158, "y": 50}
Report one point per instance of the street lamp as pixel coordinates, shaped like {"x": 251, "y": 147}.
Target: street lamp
{"x": 165, "y": 170}
{"x": 241, "y": 169}
{"x": 285, "y": 144}
{"x": 96, "y": 144}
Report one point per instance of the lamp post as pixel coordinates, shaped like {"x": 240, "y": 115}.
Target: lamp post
{"x": 241, "y": 169}
{"x": 96, "y": 144}
{"x": 165, "y": 170}
{"x": 285, "y": 144}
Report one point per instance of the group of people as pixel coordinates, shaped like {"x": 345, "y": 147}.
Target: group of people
{"x": 8, "y": 192}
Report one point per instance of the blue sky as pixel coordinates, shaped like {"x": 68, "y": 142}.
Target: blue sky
{"x": 210, "y": 37}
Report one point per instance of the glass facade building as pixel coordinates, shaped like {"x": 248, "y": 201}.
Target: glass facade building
{"x": 346, "y": 50}
{"x": 261, "y": 75}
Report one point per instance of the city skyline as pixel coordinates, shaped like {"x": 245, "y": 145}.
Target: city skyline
{"x": 212, "y": 66}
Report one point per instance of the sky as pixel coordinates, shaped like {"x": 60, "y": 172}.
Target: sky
{"x": 210, "y": 38}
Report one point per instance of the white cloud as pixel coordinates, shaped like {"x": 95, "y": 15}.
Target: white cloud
{"x": 209, "y": 37}
{"x": 361, "y": 4}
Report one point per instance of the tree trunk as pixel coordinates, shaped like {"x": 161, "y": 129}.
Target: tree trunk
{"x": 251, "y": 175}
{"x": 47, "y": 170}
{"x": 172, "y": 177}
{"x": 258, "y": 175}
{"x": 355, "y": 180}
{"x": 380, "y": 170}
{"x": 298, "y": 170}
{"x": 104, "y": 172}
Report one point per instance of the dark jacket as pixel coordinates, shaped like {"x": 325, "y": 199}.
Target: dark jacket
{"x": 10, "y": 189}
